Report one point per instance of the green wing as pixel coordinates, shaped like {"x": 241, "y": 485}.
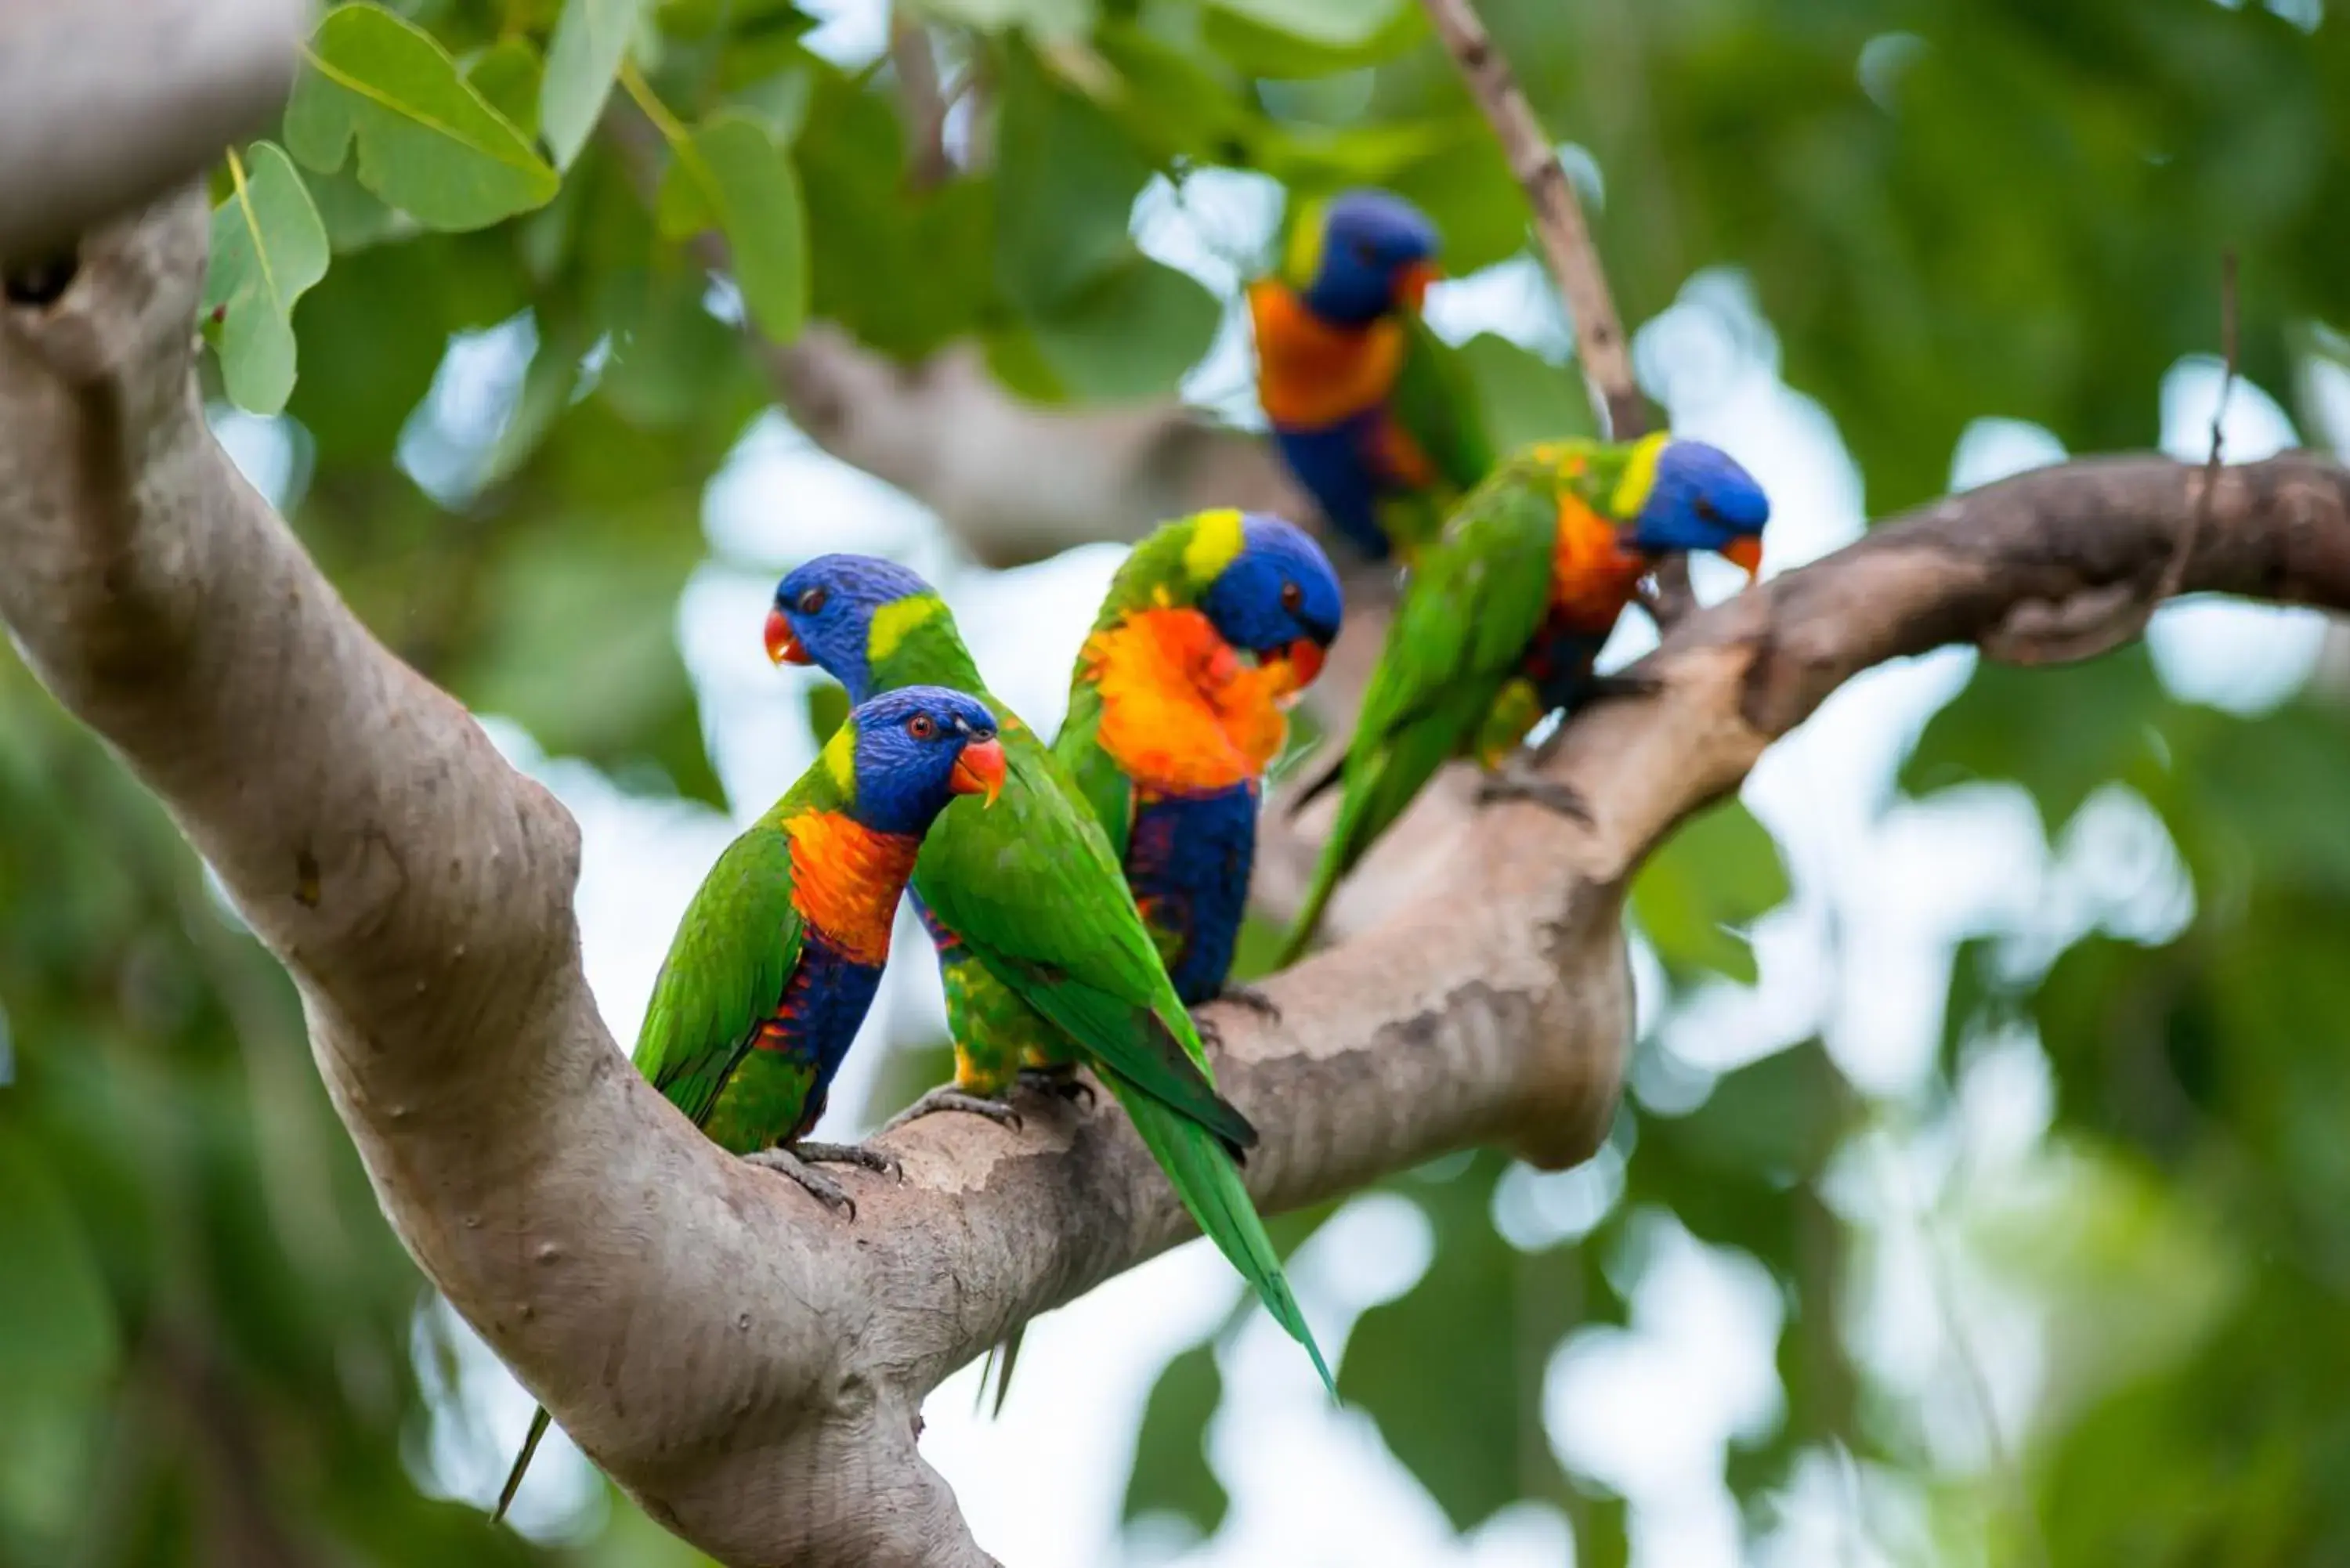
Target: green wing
{"x": 1101, "y": 784}
{"x": 1434, "y": 401}
{"x": 1471, "y": 606}
{"x": 726, "y": 970}
{"x": 1033, "y": 887}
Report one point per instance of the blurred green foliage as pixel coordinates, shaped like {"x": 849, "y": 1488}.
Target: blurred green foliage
{"x": 1946, "y": 211}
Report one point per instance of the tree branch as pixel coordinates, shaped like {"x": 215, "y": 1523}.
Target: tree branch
{"x": 105, "y": 104}
{"x": 748, "y": 1367}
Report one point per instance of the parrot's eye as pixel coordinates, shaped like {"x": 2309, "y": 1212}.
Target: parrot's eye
{"x": 813, "y": 600}
{"x": 1292, "y": 598}
{"x": 1706, "y": 511}
{"x": 921, "y": 726}
{"x": 1365, "y": 252}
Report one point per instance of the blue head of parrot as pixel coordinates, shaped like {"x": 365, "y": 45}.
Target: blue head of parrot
{"x": 1375, "y": 252}
{"x": 1703, "y": 498}
{"x": 1278, "y": 596}
{"x": 918, "y": 748}
{"x": 823, "y": 615}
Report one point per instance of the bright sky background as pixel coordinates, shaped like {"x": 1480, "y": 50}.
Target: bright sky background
{"x": 1883, "y": 889}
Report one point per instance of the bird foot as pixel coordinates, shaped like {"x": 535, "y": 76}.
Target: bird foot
{"x": 1060, "y": 1083}
{"x": 1515, "y": 781}
{"x": 1624, "y": 685}
{"x": 1252, "y": 999}
{"x": 818, "y": 1186}
{"x": 855, "y": 1154}
{"x": 947, "y": 1097}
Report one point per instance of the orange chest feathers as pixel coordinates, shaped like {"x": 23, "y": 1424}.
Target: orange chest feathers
{"x": 1180, "y": 710}
{"x": 1592, "y": 574}
{"x": 846, "y": 879}
{"x": 1310, "y": 374}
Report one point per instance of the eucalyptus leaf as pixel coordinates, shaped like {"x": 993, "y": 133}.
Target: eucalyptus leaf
{"x": 732, "y": 172}
{"x": 507, "y": 75}
{"x": 268, "y": 247}
{"x": 591, "y": 38}
{"x": 429, "y": 141}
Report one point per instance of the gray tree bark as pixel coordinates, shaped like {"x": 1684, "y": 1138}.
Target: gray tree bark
{"x": 748, "y": 1366}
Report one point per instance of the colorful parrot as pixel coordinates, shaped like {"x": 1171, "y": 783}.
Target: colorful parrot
{"x": 776, "y": 964}
{"x": 1370, "y": 410}
{"x": 1502, "y": 620}
{"x": 1040, "y": 944}
{"x": 1212, "y": 625}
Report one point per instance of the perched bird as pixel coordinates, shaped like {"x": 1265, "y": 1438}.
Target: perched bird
{"x": 1040, "y": 944}
{"x": 1502, "y": 620}
{"x": 1212, "y": 625}
{"x": 1368, "y": 409}
{"x": 775, "y": 963}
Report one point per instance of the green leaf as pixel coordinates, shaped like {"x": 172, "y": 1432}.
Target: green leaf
{"x": 61, "y": 1337}
{"x": 1065, "y": 182}
{"x": 429, "y": 142}
{"x": 1310, "y": 37}
{"x": 733, "y": 171}
{"x": 508, "y": 76}
{"x": 1041, "y": 18}
{"x": 1717, "y": 874}
{"x": 268, "y": 248}
{"x": 1171, "y": 1471}
{"x": 1525, "y": 397}
{"x": 1129, "y": 336}
{"x": 590, "y": 40}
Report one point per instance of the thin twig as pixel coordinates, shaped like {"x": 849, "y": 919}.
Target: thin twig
{"x": 1567, "y": 248}
{"x": 919, "y": 101}
{"x": 2174, "y": 571}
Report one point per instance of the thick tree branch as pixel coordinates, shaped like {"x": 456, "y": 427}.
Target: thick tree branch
{"x": 749, "y": 1367}
{"x": 105, "y": 104}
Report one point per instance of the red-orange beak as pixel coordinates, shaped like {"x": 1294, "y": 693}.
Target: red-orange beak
{"x": 979, "y": 771}
{"x": 1411, "y": 283}
{"x": 1745, "y": 552}
{"x": 784, "y": 645}
{"x": 1306, "y": 656}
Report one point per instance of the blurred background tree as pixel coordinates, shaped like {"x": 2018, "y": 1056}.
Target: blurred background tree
{"x": 1981, "y": 1192}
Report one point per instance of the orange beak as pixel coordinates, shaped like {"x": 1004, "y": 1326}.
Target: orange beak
{"x": 784, "y": 646}
{"x": 1306, "y": 656}
{"x": 979, "y": 771}
{"x": 1411, "y": 283}
{"x": 1745, "y": 552}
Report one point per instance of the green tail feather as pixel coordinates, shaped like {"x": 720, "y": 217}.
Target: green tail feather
{"x": 1208, "y": 1179}
{"x": 522, "y": 1463}
{"x": 1309, "y": 914}
{"x": 1000, "y": 1372}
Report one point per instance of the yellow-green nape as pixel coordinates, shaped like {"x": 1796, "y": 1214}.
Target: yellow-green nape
{"x": 1639, "y": 475}
{"x": 1216, "y": 540}
{"x": 893, "y": 621}
{"x": 1304, "y": 257}
{"x": 839, "y": 757}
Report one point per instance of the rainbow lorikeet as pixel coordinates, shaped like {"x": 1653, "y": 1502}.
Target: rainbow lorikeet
{"x": 1502, "y": 620}
{"x": 1370, "y": 410}
{"x": 1212, "y": 625}
{"x": 1040, "y": 944}
{"x": 776, "y": 964}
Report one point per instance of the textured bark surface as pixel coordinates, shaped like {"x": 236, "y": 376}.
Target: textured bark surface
{"x": 108, "y": 103}
{"x": 748, "y": 1366}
